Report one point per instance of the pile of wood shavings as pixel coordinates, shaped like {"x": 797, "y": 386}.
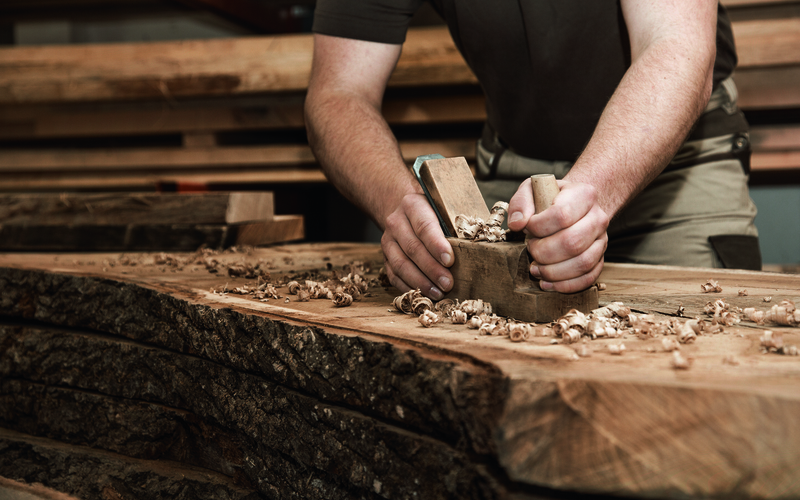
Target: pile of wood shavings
{"x": 476, "y": 229}
{"x": 612, "y": 321}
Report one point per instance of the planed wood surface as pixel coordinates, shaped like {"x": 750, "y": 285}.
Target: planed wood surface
{"x": 111, "y": 368}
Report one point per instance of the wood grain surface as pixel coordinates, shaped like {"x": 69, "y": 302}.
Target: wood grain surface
{"x": 110, "y": 368}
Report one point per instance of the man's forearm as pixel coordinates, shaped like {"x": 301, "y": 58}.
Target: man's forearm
{"x": 644, "y": 123}
{"x": 358, "y": 152}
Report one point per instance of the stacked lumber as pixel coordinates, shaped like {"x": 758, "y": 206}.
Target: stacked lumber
{"x": 229, "y": 111}
{"x": 137, "y": 222}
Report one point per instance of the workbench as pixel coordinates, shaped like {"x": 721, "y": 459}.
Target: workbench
{"x": 145, "y": 375}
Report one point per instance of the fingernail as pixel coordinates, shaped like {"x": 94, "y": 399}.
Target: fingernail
{"x": 444, "y": 282}
{"x": 545, "y": 285}
{"x": 446, "y": 259}
{"x": 535, "y": 271}
{"x": 515, "y": 217}
{"x": 436, "y": 293}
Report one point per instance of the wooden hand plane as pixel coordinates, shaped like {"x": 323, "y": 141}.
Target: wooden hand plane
{"x": 494, "y": 272}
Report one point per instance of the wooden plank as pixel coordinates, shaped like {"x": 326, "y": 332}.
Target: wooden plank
{"x": 456, "y": 399}
{"x": 770, "y": 42}
{"x": 279, "y": 229}
{"x": 51, "y": 160}
{"x": 150, "y": 181}
{"x": 768, "y": 87}
{"x": 775, "y": 138}
{"x": 66, "y": 121}
{"x": 789, "y": 160}
{"x": 148, "y": 237}
{"x": 115, "y": 209}
{"x": 144, "y": 169}
{"x": 174, "y": 70}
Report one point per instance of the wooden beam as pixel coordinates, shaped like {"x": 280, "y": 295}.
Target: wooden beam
{"x": 143, "y": 169}
{"x": 66, "y": 121}
{"x": 110, "y": 209}
{"x": 47, "y": 160}
{"x": 175, "y": 70}
{"x": 769, "y": 42}
{"x": 768, "y": 87}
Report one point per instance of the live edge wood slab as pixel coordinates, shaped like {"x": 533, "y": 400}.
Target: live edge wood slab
{"x": 123, "y": 381}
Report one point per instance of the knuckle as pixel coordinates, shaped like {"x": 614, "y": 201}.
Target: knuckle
{"x": 414, "y": 247}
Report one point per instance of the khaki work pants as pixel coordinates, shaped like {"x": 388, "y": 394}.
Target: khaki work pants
{"x": 696, "y": 216}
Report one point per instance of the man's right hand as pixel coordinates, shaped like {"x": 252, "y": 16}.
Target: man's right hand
{"x": 416, "y": 252}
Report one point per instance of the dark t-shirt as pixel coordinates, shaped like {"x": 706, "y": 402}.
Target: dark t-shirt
{"x": 547, "y": 67}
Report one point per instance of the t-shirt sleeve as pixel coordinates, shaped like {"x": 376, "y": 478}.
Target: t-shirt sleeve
{"x": 384, "y": 21}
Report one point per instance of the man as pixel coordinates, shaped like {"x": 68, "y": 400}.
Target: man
{"x": 615, "y": 96}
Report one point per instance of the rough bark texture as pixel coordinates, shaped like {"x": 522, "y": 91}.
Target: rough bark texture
{"x": 288, "y": 411}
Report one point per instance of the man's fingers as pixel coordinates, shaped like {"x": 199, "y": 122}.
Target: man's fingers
{"x": 406, "y": 273}
{"x": 572, "y": 241}
{"x": 425, "y": 225}
{"x": 572, "y": 204}
{"x": 572, "y": 268}
{"x": 575, "y": 284}
{"x": 520, "y": 207}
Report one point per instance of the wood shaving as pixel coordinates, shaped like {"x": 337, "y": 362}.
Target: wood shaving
{"x": 679, "y": 362}
{"x": 784, "y": 314}
{"x": 458, "y": 317}
{"x": 711, "y": 286}
{"x": 428, "y": 318}
{"x": 583, "y": 351}
{"x": 767, "y": 299}
{"x": 743, "y": 293}
{"x": 476, "y": 229}
{"x": 670, "y": 344}
{"x": 600, "y": 287}
{"x": 474, "y": 322}
{"x": 773, "y": 343}
{"x": 341, "y": 299}
{"x": 420, "y": 304}
{"x": 616, "y": 349}
{"x": 519, "y": 332}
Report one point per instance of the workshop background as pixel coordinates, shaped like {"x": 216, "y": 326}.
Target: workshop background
{"x": 149, "y": 133}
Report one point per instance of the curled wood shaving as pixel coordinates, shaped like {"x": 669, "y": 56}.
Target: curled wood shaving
{"x": 679, "y": 362}
{"x": 458, "y": 317}
{"x": 428, "y": 318}
{"x": 477, "y": 306}
{"x": 519, "y": 332}
{"x": 767, "y": 299}
{"x": 743, "y": 293}
{"x": 476, "y": 229}
{"x": 341, "y": 299}
{"x": 773, "y": 343}
{"x": 420, "y": 304}
{"x": 616, "y": 349}
{"x": 711, "y": 286}
{"x": 670, "y": 344}
{"x": 474, "y": 322}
